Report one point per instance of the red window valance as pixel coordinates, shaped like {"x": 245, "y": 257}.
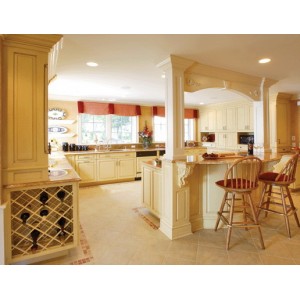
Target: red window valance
{"x": 188, "y": 112}
{"x": 158, "y": 111}
{"x": 96, "y": 108}
{"x": 127, "y": 110}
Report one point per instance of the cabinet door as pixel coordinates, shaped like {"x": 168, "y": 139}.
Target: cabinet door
{"x": 203, "y": 120}
{"x": 241, "y": 118}
{"x": 231, "y": 119}
{"x": 211, "y": 120}
{"x": 86, "y": 170}
{"x": 147, "y": 186}
{"x": 126, "y": 168}
{"x": 220, "y": 139}
{"x": 231, "y": 140}
{"x": 107, "y": 170}
{"x": 283, "y": 125}
{"x": 156, "y": 192}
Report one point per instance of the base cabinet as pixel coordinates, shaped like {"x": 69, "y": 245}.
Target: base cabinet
{"x": 152, "y": 188}
{"x": 86, "y": 168}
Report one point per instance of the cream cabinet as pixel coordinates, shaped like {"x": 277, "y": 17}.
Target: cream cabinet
{"x": 116, "y": 166}
{"x": 85, "y": 166}
{"x": 296, "y": 184}
{"x": 226, "y": 119}
{"x": 152, "y": 188}
{"x": 245, "y": 118}
{"x": 280, "y": 122}
{"x": 25, "y": 105}
{"x": 207, "y": 120}
{"x": 226, "y": 140}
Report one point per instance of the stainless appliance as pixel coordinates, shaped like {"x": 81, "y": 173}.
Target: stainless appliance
{"x": 246, "y": 138}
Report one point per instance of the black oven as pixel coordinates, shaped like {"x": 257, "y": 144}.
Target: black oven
{"x": 245, "y": 139}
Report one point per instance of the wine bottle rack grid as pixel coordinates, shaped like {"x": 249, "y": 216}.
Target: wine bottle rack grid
{"x": 41, "y": 219}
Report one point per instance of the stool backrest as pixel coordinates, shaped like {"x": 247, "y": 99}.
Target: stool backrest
{"x": 287, "y": 174}
{"x": 243, "y": 173}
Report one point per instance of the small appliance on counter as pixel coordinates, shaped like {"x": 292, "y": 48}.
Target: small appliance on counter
{"x": 65, "y": 146}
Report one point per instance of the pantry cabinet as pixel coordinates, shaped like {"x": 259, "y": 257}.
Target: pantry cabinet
{"x": 25, "y": 105}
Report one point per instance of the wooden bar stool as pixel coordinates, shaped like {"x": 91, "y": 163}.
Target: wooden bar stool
{"x": 274, "y": 199}
{"x": 240, "y": 179}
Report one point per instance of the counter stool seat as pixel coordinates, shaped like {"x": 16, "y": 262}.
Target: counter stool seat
{"x": 276, "y": 191}
{"x": 238, "y": 183}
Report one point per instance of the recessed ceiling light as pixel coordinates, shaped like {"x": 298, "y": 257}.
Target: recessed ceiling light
{"x": 201, "y": 103}
{"x": 264, "y": 60}
{"x": 92, "y": 64}
{"x": 163, "y": 76}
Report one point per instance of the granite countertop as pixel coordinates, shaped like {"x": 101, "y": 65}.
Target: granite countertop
{"x": 61, "y": 170}
{"x": 198, "y": 159}
{"x": 108, "y": 151}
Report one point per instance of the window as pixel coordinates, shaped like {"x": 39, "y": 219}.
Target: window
{"x": 160, "y": 129}
{"x": 117, "y": 129}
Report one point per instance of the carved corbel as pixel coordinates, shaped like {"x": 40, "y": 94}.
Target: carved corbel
{"x": 184, "y": 171}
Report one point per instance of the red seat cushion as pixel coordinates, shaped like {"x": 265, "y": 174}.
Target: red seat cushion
{"x": 271, "y": 176}
{"x": 236, "y": 183}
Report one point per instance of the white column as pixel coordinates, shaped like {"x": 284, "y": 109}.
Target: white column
{"x": 174, "y": 68}
{"x": 175, "y": 217}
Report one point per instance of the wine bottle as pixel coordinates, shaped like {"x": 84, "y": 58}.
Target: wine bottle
{"x": 44, "y": 213}
{"x": 34, "y": 235}
{"x": 61, "y": 195}
{"x": 62, "y": 222}
{"x": 44, "y": 198}
{"x": 24, "y": 216}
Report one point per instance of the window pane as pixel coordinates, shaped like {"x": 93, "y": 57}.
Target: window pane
{"x": 159, "y": 129}
{"x": 116, "y": 129}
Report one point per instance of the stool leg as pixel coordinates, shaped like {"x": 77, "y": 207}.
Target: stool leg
{"x": 244, "y": 211}
{"x": 286, "y": 219}
{"x": 261, "y": 199}
{"x": 256, "y": 221}
{"x": 268, "y": 199}
{"x": 292, "y": 205}
{"x": 230, "y": 221}
{"x": 220, "y": 212}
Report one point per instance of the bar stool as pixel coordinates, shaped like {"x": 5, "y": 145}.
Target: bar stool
{"x": 276, "y": 198}
{"x": 240, "y": 179}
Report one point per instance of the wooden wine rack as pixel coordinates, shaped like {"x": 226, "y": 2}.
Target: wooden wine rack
{"x": 50, "y": 237}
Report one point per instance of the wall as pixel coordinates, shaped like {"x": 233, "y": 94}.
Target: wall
{"x": 70, "y": 107}
{"x": 71, "y": 110}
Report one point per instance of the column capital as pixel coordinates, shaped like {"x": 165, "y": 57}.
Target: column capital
{"x": 174, "y": 61}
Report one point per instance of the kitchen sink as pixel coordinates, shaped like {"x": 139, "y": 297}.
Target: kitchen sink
{"x": 57, "y": 172}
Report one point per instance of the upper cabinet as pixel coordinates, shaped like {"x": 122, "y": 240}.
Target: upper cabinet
{"x": 207, "y": 120}
{"x": 226, "y": 119}
{"x": 25, "y": 106}
{"x": 245, "y": 118}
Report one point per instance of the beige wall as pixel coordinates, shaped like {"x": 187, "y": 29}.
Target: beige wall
{"x": 70, "y": 108}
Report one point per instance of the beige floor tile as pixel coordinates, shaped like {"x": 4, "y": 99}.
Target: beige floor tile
{"x": 211, "y": 256}
{"x": 169, "y": 260}
{"x": 275, "y": 260}
{"x": 182, "y": 250}
{"x": 243, "y": 258}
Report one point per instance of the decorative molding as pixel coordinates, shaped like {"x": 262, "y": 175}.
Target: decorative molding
{"x": 184, "y": 171}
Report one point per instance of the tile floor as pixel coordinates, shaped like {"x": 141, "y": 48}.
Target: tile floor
{"x": 114, "y": 232}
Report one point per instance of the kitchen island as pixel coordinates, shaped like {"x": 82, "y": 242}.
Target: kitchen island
{"x": 197, "y": 198}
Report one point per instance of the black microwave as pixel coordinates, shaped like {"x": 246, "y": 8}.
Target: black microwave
{"x": 245, "y": 139}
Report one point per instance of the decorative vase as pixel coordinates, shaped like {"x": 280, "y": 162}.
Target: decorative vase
{"x": 146, "y": 144}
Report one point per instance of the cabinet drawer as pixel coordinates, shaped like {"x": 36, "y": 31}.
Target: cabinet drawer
{"x": 85, "y": 157}
{"x": 115, "y": 155}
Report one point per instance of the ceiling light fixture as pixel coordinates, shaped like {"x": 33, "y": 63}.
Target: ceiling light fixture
{"x": 163, "y": 76}
{"x": 92, "y": 64}
{"x": 264, "y": 60}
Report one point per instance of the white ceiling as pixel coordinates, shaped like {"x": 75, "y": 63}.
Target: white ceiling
{"x": 128, "y": 72}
